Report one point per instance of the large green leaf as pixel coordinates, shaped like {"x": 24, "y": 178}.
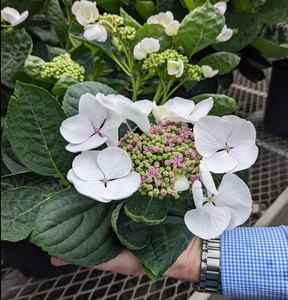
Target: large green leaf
{"x": 131, "y": 234}
{"x": 247, "y": 27}
{"x": 56, "y": 17}
{"x": 144, "y": 209}
{"x": 76, "y": 229}
{"x": 200, "y": 28}
{"x": 271, "y": 49}
{"x": 273, "y": 12}
{"x": 16, "y": 45}
{"x": 168, "y": 241}
{"x": 19, "y": 208}
{"x": 223, "y": 105}
{"x": 129, "y": 20}
{"x": 224, "y": 62}
{"x": 34, "y": 118}
{"x": 74, "y": 92}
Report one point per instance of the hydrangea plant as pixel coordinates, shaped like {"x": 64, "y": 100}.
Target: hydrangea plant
{"x": 91, "y": 169}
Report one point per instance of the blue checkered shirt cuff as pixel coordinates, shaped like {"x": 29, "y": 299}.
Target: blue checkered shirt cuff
{"x": 254, "y": 263}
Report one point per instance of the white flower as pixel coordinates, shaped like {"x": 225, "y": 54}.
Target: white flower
{"x": 221, "y": 7}
{"x": 125, "y": 109}
{"x": 12, "y": 16}
{"x": 181, "y": 183}
{"x": 225, "y": 208}
{"x": 227, "y": 144}
{"x": 175, "y": 68}
{"x": 104, "y": 175}
{"x": 95, "y": 32}
{"x": 92, "y": 127}
{"x": 225, "y": 35}
{"x": 86, "y": 12}
{"x": 181, "y": 110}
{"x": 145, "y": 47}
{"x": 208, "y": 71}
{"x": 166, "y": 19}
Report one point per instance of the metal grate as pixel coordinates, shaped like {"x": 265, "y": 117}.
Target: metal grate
{"x": 268, "y": 178}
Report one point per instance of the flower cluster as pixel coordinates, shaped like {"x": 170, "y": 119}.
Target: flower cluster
{"x": 162, "y": 158}
{"x": 60, "y": 65}
{"x": 111, "y": 20}
{"x": 194, "y": 72}
{"x": 156, "y": 60}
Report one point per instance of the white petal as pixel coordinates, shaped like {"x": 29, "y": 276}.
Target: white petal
{"x": 211, "y": 134}
{"x": 207, "y": 179}
{"x": 208, "y": 71}
{"x": 181, "y": 107}
{"x": 234, "y": 194}
{"x": 197, "y": 192}
{"x": 220, "y": 162}
{"x": 245, "y": 155}
{"x": 208, "y": 222}
{"x": 221, "y": 7}
{"x": 76, "y": 129}
{"x": 91, "y": 108}
{"x": 91, "y": 189}
{"x": 243, "y": 131}
{"x": 86, "y": 12}
{"x": 145, "y": 106}
{"x": 122, "y": 188}
{"x": 93, "y": 142}
{"x": 95, "y": 32}
{"x": 112, "y": 135}
{"x": 172, "y": 28}
{"x": 181, "y": 184}
{"x": 175, "y": 68}
{"x": 75, "y": 7}
{"x": 139, "y": 53}
{"x": 201, "y": 110}
{"x": 114, "y": 162}
{"x": 21, "y": 19}
{"x": 150, "y": 45}
{"x": 10, "y": 15}
{"x": 225, "y": 35}
{"x": 127, "y": 110}
{"x": 85, "y": 166}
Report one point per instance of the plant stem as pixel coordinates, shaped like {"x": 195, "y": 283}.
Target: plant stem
{"x": 175, "y": 88}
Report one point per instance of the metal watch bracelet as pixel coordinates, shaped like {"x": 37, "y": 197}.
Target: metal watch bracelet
{"x": 210, "y": 277}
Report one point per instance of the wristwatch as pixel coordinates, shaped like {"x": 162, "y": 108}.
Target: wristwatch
{"x": 210, "y": 277}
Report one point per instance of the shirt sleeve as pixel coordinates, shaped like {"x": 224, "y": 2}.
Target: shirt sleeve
{"x": 254, "y": 263}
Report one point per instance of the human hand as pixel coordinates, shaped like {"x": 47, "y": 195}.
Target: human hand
{"x": 186, "y": 267}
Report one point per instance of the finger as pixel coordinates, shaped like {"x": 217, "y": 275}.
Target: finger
{"x": 57, "y": 262}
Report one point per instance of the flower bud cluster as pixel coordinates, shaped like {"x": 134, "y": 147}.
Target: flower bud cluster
{"x": 60, "y": 65}
{"x": 194, "y": 72}
{"x": 112, "y": 21}
{"x": 127, "y": 33}
{"x": 156, "y": 60}
{"x": 161, "y": 156}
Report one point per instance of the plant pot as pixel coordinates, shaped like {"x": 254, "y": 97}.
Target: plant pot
{"x": 276, "y": 113}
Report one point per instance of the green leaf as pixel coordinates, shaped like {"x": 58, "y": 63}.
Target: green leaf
{"x": 74, "y": 92}
{"x": 76, "y": 229}
{"x": 144, "y": 209}
{"x": 56, "y": 17}
{"x": 224, "y": 62}
{"x": 132, "y": 235}
{"x": 200, "y": 28}
{"x": 155, "y": 31}
{"x": 223, "y": 105}
{"x": 33, "y": 119}
{"x": 33, "y": 6}
{"x": 145, "y": 8}
{"x": 16, "y": 45}
{"x": 128, "y": 20}
{"x": 168, "y": 241}
{"x": 111, "y": 6}
{"x": 192, "y": 4}
{"x": 178, "y": 207}
{"x": 247, "y": 27}
{"x": 273, "y": 12}
{"x": 19, "y": 208}
{"x": 271, "y": 49}
{"x": 61, "y": 86}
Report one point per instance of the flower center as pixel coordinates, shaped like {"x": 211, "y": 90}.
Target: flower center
{"x": 163, "y": 155}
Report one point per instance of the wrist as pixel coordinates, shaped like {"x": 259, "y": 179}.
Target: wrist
{"x": 187, "y": 266}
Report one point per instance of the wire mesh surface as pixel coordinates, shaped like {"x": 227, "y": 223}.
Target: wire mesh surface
{"x": 268, "y": 178}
